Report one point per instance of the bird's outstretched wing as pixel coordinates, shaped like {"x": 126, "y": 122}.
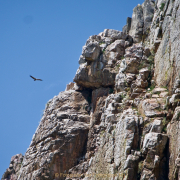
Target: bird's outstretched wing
{"x": 35, "y": 78}
{"x": 38, "y": 79}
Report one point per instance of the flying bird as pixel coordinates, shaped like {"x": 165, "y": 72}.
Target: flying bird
{"x": 35, "y": 78}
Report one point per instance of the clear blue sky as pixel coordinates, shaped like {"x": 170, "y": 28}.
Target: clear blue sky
{"x": 44, "y": 38}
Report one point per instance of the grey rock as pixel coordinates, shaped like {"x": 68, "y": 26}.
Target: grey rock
{"x": 137, "y": 24}
{"x": 91, "y": 51}
{"x": 141, "y": 21}
{"x": 127, "y": 27}
{"x": 14, "y": 168}
{"x": 157, "y": 126}
{"x": 165, "y": 75}
{"x": 152, "y": 140}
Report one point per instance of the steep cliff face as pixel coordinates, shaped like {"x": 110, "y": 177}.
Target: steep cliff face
{"x": 120, "y": 117}
{"x": 166, "y": 31}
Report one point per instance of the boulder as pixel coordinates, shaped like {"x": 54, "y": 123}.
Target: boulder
{"x": 157, "y": 126}
{"x": 91, "y": 51}
{"x": 99, "y": 57}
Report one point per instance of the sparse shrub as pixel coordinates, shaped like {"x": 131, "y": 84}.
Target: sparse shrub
{"x": 102, "y": 133}
{"x": 164, "y": 122}
{"x": 164, "y": 129}
{"x": 140, "y": 166}
{"x": 151, "y": 59}
{"x": 151, "y": 88}
{"x": 162, "y": 6}
{"x": 122, "y": 96}
{"x": 117, "y": 67}
{"x": 101, "y": 43}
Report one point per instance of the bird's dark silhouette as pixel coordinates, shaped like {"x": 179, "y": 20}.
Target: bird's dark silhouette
{"x": 35, "y": 79}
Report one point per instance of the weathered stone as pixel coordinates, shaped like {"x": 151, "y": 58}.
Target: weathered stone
{"x": 98, "y": 101}
{"x": 91, "y": 51}
{"x": 61, "y": 134}
{"x": 155, "y": 96}
{"x": 156, "y": 126}
{"x": 148, "y": 13}
{"x": 177, "y": 91}
{"x": 114, "y": 34}
{"x": 98, "y": 59}
{"x": 174, "y": 144}
{"x": 144, "y": 73}
{"x": 174, "y": 100}
{"x": 137, "y": 23}
{"x": 177, "y": 84}
{"x": 152, "y": 140}
{"x": 120, "y": 82}
{"x": 158, "y": 90}
{"x": 154, "y": 145}
{"x": 153, "y": 107}
{"x": 119, "y": 148}
{"x": 163, "y": 94}
{"x": 130, "y": 77}
{"x": 167, "y": 56}
{"x": 127, "y": 27}
{"x": 14, "y": 168}
{"x": 141, "y": 20}
{"x": 115, "y": 50}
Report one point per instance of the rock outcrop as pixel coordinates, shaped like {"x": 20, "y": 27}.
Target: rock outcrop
{"x": 99, "y": 59}
{"x": 59, "y": 142}
{"x": 15, "y": 165}
{"x": 164, "y": 34}
{"x": 139, "y": 25}
{"x": 119, "y": 119}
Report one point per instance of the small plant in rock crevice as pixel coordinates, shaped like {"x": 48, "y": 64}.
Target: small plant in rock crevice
{"x": 102, "y": 43}
{"x": 162, "y": 6}
{"x": 164, "y": 123}
{"x": 102, "y": 133}
{"x": 151, "y": 87}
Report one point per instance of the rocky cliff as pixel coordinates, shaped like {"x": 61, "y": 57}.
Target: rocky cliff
{"x": 119, "y": 119}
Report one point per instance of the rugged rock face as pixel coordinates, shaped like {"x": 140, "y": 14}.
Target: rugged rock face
{"x": 99, "y": 59}
{"x": 15, "y": 165}
{"x": 166, "y": 31}
{"x": 139, "y": 25}
{"x": 120, "y": 119}
{"x": 59, "y": 142}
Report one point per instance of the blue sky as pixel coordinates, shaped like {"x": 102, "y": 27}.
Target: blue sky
{"x": 44, "y": 38}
